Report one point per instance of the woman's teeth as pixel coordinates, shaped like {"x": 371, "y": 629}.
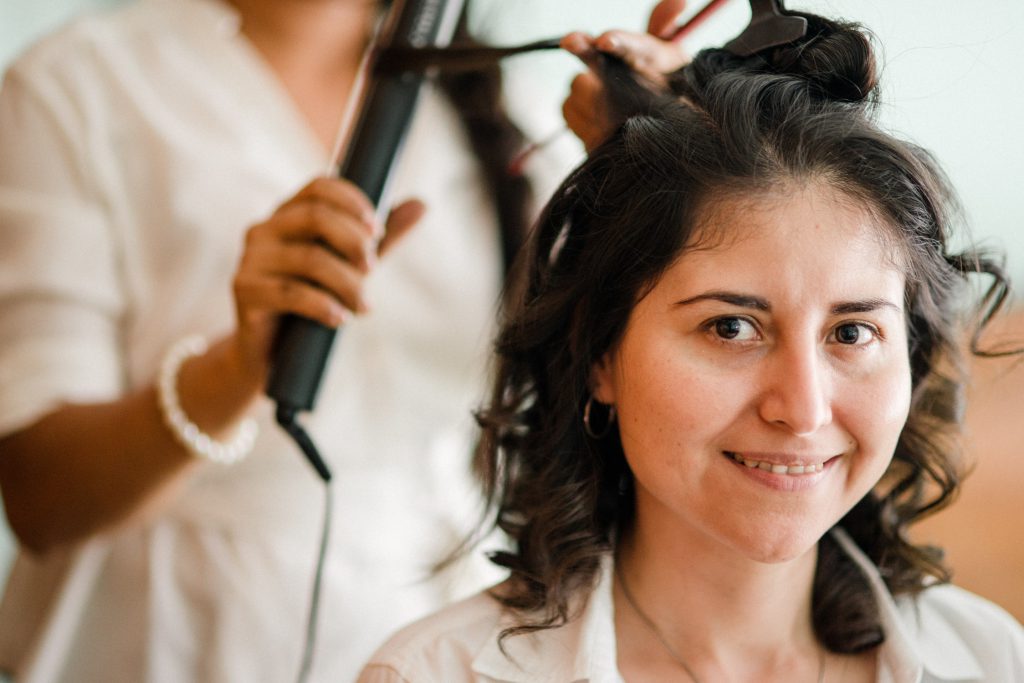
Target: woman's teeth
{"x": 777, "y": 469}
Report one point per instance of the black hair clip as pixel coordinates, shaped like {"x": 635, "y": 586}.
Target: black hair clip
{"x": 769, "y": 26}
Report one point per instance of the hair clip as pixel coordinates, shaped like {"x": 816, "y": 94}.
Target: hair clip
{"x": 769, "y": 27}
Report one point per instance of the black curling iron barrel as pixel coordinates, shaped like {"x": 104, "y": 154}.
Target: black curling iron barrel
{"x": 303, "y": 347}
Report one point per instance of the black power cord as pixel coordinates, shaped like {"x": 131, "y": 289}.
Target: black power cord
{"x": 286, "y": 417}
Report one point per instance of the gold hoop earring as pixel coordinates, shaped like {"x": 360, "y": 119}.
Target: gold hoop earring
{"x": 609, "y": 421}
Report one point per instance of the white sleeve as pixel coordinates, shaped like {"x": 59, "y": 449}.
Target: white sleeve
{"x": 60, "y": 294}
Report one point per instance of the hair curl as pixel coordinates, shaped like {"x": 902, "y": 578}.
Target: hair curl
{"x": 731, "y": 125}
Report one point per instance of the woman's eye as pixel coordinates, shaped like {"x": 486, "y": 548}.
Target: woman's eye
{"x": 734, "y": 329}
{"x": 854, "y": 334}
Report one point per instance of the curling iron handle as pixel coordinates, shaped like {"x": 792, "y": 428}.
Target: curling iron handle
{"x": 303, "y": 346}
{"x": 300, "y": 356}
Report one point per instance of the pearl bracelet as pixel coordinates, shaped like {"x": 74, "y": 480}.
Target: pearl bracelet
{"x": 188, "y": 432}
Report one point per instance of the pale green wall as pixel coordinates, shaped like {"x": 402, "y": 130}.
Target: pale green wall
{"x": 21, "y": 21}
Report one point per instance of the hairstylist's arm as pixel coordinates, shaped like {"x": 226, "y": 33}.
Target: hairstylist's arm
{"x": 85, "y": 468}
{"x": 652, "y": 55}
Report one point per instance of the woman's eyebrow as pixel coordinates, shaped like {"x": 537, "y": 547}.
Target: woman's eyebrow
{"x": 761, "y": 304}
{"x": 864, "y": 306}
{"x": 734, "y": 298}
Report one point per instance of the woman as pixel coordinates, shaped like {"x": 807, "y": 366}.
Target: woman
{"x": 728, "y": 382}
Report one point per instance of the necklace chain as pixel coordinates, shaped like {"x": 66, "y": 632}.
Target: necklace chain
{"x": 676, "y": 657}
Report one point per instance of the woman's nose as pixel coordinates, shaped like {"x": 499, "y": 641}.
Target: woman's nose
{"x": 796, "y": 393}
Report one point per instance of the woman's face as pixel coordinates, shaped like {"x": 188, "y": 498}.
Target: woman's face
{"x": 762, "y": 384}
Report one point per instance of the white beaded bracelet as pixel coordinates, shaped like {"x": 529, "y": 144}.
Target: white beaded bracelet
{"x": 186, "y": 431}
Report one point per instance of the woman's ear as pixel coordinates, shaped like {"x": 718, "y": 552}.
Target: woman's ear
{"x": 602, "y": 379}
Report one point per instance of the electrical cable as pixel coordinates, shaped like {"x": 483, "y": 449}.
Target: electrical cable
{"x": 286, "y": 418}
{"x": 314, "y": 601}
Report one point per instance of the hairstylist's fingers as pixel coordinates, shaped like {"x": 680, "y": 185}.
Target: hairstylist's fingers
{"x": 664, "y": 16}
{"x": 341, "y": 195}
{"x": 401, "y": 220}
{"x": 587, "y": 89}
{"x": 648, "y": 55}
{"x": 582, "y": 46}
{"x": 314, "y": 263}
{"x": 261, "y": 299}
{"x": 586, "y": 111}
{"x": 585, "y": 107}
{"x": 316, "y": 221}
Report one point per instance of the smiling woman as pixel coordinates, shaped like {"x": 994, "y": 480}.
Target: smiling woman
{"x": 773, "y": 364}
{"x": 728, "y": 381}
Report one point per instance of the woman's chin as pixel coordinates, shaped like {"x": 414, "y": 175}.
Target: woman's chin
{"x": 775, "y": 546}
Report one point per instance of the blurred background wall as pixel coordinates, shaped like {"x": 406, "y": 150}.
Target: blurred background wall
{"x": 947, "y": 73}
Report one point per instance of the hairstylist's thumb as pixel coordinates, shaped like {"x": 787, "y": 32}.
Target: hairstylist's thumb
{"x": 664, "y": 16}
{"x": 400, "y": 221}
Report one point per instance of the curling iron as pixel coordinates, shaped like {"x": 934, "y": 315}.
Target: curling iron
{"x": 303, "y": 347}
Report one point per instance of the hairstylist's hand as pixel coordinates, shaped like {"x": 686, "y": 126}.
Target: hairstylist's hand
{"x": 651, "y": 54}
{"x": 310, "y": 258}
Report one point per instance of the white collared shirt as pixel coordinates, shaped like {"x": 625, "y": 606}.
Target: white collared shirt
{"x": 946, "y": 634}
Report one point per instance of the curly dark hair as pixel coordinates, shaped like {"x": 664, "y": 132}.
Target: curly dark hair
{"x": 729, "y": 125}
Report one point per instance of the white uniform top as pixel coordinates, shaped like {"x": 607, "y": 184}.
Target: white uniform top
{"x": 944, "y": 635}
{"x": 135, "y": 150}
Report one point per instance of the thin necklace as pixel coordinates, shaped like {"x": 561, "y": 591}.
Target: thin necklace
{"x": 676, "y": 657}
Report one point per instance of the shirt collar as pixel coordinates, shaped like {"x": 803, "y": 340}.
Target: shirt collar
{"x": 914, "y": 644}
{"x": 584, "y": 649}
